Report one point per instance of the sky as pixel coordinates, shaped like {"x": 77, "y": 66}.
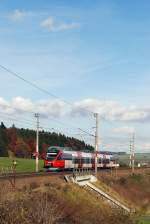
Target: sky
{"x": 92, "y": 55}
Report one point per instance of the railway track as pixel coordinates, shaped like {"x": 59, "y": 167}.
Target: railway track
{"x": 16, "y": 175}
{"x": 34, "y": 174}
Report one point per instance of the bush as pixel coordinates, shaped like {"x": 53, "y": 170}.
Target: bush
{"x": 68, "y": 205}
{"x": 136, "y": 177}
{"x": 34, "y": 185}
{"x": 122, "y": 181}
{"x": 35, "y": 209}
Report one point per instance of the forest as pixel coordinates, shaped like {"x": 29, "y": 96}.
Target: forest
{"x": 21, "y": 142}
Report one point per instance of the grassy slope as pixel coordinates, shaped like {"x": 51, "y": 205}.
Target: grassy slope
{"x": 23, "y": 165}
{"x": 54, "y": 199}
{"x": 134, "y": 188}
{"x": 109, "y": 190}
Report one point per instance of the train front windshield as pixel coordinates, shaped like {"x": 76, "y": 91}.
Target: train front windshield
{"x": 51, "y": 153}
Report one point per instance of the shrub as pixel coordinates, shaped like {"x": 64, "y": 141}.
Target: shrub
{"x": 35, "y": 209}
{"x": 69, "y": 205}
{"x": 136, "y": 177}
{"x": 34, "y": 185}
{"x": 122, "y": 181}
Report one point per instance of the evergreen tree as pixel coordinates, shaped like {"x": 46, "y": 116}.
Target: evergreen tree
{"x": 3, "y": 140}
{"x": 22, "y": 141}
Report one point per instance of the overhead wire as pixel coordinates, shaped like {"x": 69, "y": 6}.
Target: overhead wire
{"x": 39, "y": 88}
{"x": 54, "y": 96}
{"x": 16, "y": 120}
{"x": 47, "y": 92}
{"x": 29, "y": 122}
{"x": 49, "y": 118}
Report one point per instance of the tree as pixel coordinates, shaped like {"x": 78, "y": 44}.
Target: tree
{"x": 22, "y": 149}
{"x": 3, "y": 140}
{"x": 22, "y": 141}
{"x": 12, "y": 137}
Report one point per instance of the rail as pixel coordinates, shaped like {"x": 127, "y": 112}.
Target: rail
{"x": 31, "y": 174}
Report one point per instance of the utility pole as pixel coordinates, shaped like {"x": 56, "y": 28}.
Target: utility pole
{"x": 96, "y": 141}
{"x": 130, "y": 163}
{"x": 133, "y": 153}
{"x": 37, "y": 142}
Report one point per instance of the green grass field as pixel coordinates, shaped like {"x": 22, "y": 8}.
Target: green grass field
{"x": 139, "y": 157}
{"x": 144, "y": 220}
{"x": 23, "y": 165}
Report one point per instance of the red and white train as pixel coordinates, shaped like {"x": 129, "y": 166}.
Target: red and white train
{"x": 59, "y": 158}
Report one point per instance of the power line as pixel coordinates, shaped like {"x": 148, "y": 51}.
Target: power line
{"x": 39, "y": 88}
{"x": 29, "y": 122}
{"x": 48, "y": 92}
{"x": 53, "y": 119}
{"x": 52, "y": 95}
{"x": 14, "y": 119}
{"x": 37, "y": 129}
{"x": 9, "y": 115}
{"x": 86, "y": 132}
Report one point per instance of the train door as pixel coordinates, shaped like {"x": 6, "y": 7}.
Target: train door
{"x": 93, "y": 161}
{"x": 79, "y": 154}
{"x": 67, "y": 158}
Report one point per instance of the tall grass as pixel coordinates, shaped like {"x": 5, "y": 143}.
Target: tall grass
{"x": 56, "y": 203}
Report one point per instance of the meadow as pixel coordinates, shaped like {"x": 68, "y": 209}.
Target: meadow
{"x": 139, "y": 157}
{"x": 23, "y": 165}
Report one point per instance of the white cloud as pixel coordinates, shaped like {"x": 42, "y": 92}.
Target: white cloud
{"x": 50, "y": 25}
{"x": 20, "y": 105}
{"x": 55, "y": 108}
{"x": 124, "y": 130}
{"x": 108, "y": 110}
{"x": 69, "y": 26}
{"x": 145, "y": 147}
{"x": 3, "y": 103}
{"x": 17, "y": 15}
{"x": 111, "y": 110}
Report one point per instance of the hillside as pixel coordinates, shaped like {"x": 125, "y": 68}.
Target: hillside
{"x": 134, "y": 188}
{"x": 21, "y": 142}
{"x": 52, "y": 201}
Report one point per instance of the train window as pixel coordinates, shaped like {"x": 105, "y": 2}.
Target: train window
{"x": 76, "y": 160}
{"x": 89, "y": 160}
{"x": 82, "y": 160}
{"x": 52, "y": 149}
{"x": 100, "y": 160}
{"x": 65, "y": 156}
{"x": 106, "y": 161}
{"x": 51, "y": 156}
{"x": 85, "y": 160}
{"x": 60, "y": 157}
